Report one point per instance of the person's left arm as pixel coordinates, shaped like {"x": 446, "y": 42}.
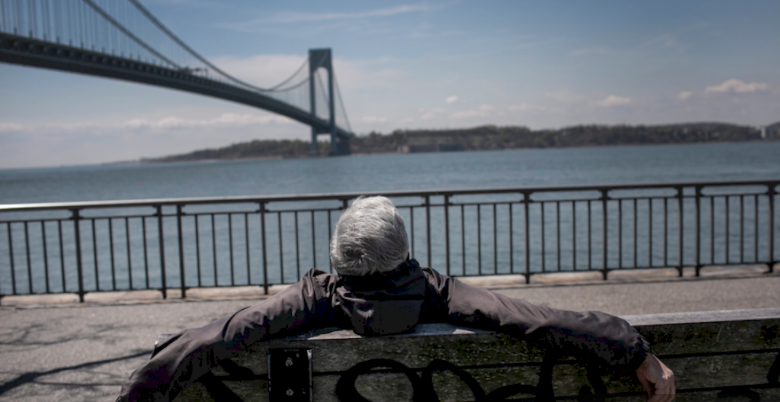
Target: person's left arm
{"x": 594, "y": 335}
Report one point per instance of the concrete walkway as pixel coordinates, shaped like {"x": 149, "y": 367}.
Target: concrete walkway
{"x": 55, "y": 349}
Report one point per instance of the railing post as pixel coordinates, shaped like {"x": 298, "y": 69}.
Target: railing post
{"x": 265, "y": 251}
{"x": 428, "y": 226}
{"x": 573, "y": 235}
{"x": 246, "y": 244}
{"x": 526, "y": 200}
{"x": 230, "y": 245}
{"x": 590, "y": 236}
{"x": 281, "y": 245}
{"x": 161, "y": 243}
{"x": 605, "y": 269}
{"x": 697, "y": 250}
{"x": 771, "y": 242}
{"x": 11, "y": 259}
{"x": 511, "y": 245}
{"x": 181, "y": 252}
{"x": 79, "y": 266}
{"x": 447, "y": 232}
{"x": 680, "y": 231}
{"x": 95, "y": 256}
{"x": 111, "y": 248}
{"x": 129, "y": 255}
{"x": 27, "y": 251}
{"x": 495, "y": 241}
{"x": 620, "y": 233}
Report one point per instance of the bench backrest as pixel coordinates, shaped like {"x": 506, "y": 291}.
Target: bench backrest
{"x": 713, "y": 354}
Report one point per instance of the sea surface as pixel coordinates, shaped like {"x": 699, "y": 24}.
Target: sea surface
{"x": 119, "y": 252}
{"x": 389, "y": 172}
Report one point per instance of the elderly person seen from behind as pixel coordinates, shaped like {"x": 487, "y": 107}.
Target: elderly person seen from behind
{"x": 379, "y": 290}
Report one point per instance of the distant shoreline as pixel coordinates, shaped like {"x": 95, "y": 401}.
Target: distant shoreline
{"x": 485, "y": 138}
{"x": 155, "y": 162}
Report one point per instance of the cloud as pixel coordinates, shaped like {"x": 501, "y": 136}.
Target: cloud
{"x": 736, "y": 86}
{"x": 274, "y": 68}
{"x": 684, "y": 95}
{"x": 373, "y": 119}
{"x": 269, "y": 70}
{"x": 197, "y": 3}
{"x": 286, "y": 18}
{"x": 136, "y": 123}
{"x": 595, "y": 51}
{"x": 10, "y": 127}
{"x": 466, "y": 114}
{"x": 361, "y": 75}
{"x": 482, "y": 111}
{"x": 170, "y": 122}
{"x": 667, "y": 41}
{"x": 226, "y": 119}
{"x": 58, "y": 127}
{"x": 564, "y": 96}
{"x": 432, "y": 113}
{"x": 453, "y": 99}
{"x": 613, "y": 100}
{"x": 525, "y": 107}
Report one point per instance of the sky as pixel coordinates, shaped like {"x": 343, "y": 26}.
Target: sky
{"x": 409, "y": 65}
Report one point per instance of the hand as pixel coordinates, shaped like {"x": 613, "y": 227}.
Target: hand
{"x": 657, "y": 379}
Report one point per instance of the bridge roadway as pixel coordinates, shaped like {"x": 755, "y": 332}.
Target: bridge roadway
{"x": 55, "y": 349}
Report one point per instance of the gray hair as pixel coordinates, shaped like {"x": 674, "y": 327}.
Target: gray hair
{"x": 370, "y": 237}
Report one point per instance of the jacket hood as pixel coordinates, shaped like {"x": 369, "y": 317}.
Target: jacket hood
{"x": 382, "y": 304}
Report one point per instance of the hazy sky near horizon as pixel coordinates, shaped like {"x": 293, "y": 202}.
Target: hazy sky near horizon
{"x": 432, "y": 64}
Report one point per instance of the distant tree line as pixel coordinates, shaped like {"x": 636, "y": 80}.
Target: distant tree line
{"x": 248, "y": 150}
{"x": 492, "y": 137}
{"x": 513, "y": 137}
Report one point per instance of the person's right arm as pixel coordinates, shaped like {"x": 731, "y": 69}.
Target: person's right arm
{"x": 193, "y": 352}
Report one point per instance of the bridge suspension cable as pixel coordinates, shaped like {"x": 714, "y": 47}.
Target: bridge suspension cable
{"x": 341, "y": 102}
{"x": 176, "y": 39}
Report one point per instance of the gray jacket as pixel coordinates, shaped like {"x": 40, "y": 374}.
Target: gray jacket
{"x": 378, "y": 305}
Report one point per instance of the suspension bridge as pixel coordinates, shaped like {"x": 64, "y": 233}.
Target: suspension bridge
{"x": 121, "y": 39}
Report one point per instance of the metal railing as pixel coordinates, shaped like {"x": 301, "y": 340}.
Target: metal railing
{"x": 166, "y": 244}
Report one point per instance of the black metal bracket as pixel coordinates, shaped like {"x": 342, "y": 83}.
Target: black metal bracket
{"x": 289, "y": 375}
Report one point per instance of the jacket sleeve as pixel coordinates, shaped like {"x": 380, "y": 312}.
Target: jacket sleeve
{"x": 592, "y": 335}
{"x": 193, "y": 352}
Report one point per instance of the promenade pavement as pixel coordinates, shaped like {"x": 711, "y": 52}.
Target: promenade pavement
{"x": 54, "y": 349}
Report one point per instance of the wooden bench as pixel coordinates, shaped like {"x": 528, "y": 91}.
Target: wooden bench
{"x": 714, "y": 355}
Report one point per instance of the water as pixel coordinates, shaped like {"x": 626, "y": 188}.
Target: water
{"x": 370, "y": 173}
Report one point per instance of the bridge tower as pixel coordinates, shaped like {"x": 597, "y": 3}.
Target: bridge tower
{"x": 339, "y": 144}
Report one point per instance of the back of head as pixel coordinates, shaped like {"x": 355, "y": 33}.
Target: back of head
{"x": 370, "y": 237}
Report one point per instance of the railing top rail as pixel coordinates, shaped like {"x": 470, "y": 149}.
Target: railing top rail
{"x": 772, "y": 184}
